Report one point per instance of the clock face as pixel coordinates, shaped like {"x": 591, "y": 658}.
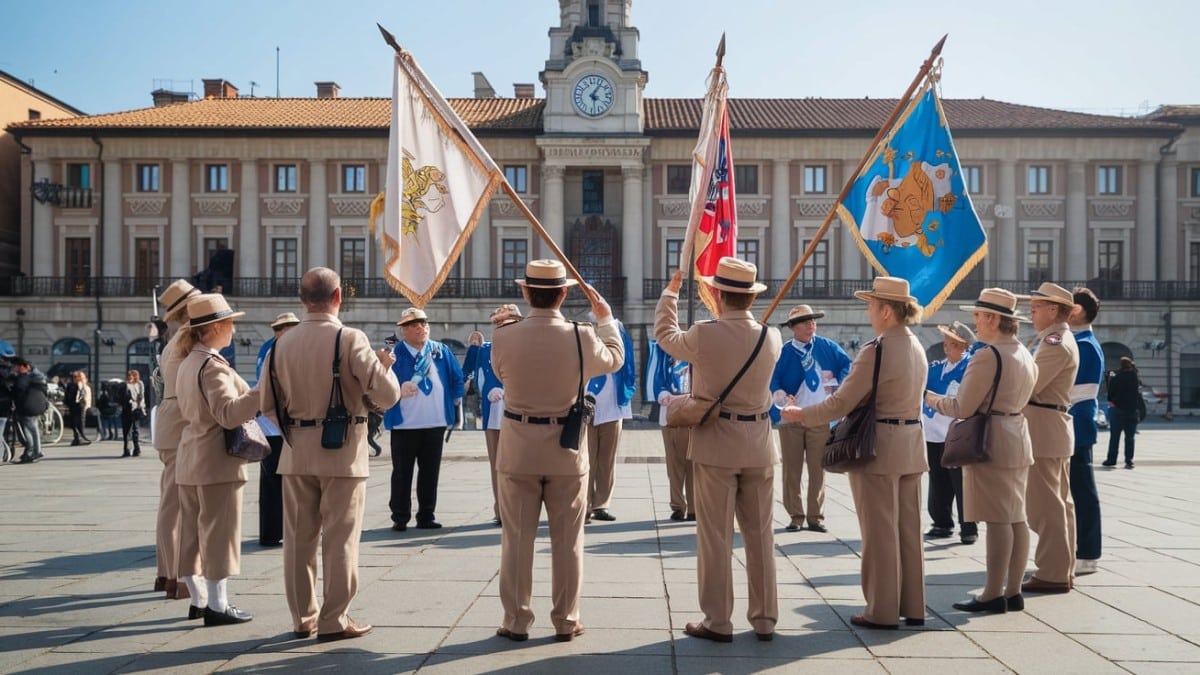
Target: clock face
{"x": 593, "y": 95}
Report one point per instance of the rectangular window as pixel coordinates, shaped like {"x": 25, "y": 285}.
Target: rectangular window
{"x": 285, "y": 178}
{"x": 354, "y": 178}
{"x": 679, "y": 179}
{"x": 973, "y": 179}
{"x": 216, "y": 178}
{"x": 1194, "y": 261}
{"x": 1039, "y": 180}
{"x": 78, "y": 264}
{"x": 79, "y": 176}
{"x": 1109, "y": 260}
{"x": 1189, "y": 380}
{"x": 1108, "y": 180}
{"x": 593, "y": 192}
{"x": 594, "y": 13}
{"x": 747, "y": 249}
{"x": 1196, "y": 182}
{"x": 147, "y": 178}
{"x": 285, "y": 259}
{"x": 515, "y": 253}
{"x": 146, "y": 265}
{"x": 353, "y": 258}
{"x": 674, "y": 248}
{"x": 814, "y": 180}
{"x": 518, "y": 177}
{"x": 815, "y": 274}
{"x": 745, "y": 179}
{"x": 1039, "y": 262}
{"x": 35, "y": 114}
{"x": 211, "y": 244}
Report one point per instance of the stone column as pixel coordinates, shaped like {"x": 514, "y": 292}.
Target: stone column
{"x": 249, "y": 227}
{"x": 42, "y": 236}
{"x": 853, "y": 262}
{"x": 1168, "y": 235}
{"x": 781, "y": 223}
{"x": 649, "y": 230}
{"x": 113, "y": 229}
{"x": 318, "y": 217}
{"x": 1008, "y": 267}
{"x": 179, "y": 239}
{"x": 631, "y": 231}
{"x": 1145, "y": 236}
{"x": 552, "y": 208}
{"x": 1075, "y": 236}
{"x": 481, "y": 240}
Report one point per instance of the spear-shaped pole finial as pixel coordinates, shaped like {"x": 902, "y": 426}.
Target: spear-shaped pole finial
{"x": 721, "y": 50}
{"x": 389, "y": 38}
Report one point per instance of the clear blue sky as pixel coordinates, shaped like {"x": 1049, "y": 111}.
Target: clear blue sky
{"x": 1101, "y": 57}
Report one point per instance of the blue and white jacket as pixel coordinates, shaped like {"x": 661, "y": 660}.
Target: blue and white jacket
{"x": 944, "y": 381}
{"x": 664, "y": 375}
{"x": 1087, "y": 387}
{"x": 625, "y": 379}
{"x": 479, "y": 364}
{"x": 448, "y": 371}
{"x": 789, "y": 372}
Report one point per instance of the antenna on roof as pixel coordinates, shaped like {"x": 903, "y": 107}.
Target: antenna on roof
{"x": 277, "y": 72}
{"x": 253, "y": 84}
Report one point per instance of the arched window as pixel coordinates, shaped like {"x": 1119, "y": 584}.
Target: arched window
{"x": 1113, "y": 351}
{"x": 68, "y": 355}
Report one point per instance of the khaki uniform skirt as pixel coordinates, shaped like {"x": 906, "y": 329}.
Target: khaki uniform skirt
{"x": 993, "y": 494}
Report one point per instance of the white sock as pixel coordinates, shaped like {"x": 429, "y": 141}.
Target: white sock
{"x": 217, "y": 600}
{"x": 194, "y": 585}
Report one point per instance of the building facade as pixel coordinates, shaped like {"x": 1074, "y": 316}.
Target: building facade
{"x": 1110, "y": 202}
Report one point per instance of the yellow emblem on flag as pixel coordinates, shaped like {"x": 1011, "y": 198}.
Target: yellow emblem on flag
{"x": 417, "y": 184}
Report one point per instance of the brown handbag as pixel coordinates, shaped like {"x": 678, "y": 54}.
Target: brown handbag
{"x": 966, "y": 440}
{"x": 851, "y": 443}
{"x": 694, "y": 411}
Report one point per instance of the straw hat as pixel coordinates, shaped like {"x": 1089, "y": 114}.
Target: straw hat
{"x": 545, "y": 274}
{"x": 891, "y": 289}
{"x": 173, "y": 298}
{"x": 412, "y": 314}
{"x": 209, "y": 308}
{"x": 801, "y": 313}
{"x": 995, "y": 301}
{"x": 735, "y": 276}
{"x": 283, "y": 320}
{"x": 510, "y": 309}
{"x": 959, "y": 332}
{"x": 1053, "y": 293}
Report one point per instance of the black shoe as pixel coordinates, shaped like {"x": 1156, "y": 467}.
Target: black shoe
{"x": 997, "y": 605}
{"x": 126, "y": 453}
{"x": 137, "y": 453}
{"x": 818, "y": 527}
{"x": 231, "y": 615}
{"x": 429, "y": 525}
{"x": 914, "y": 621}
{"x": 691, "y": 518}
{"x": 969, "y": 538}
{"x": 497, "y": 522}
{"x": 1015, "y": 603}
{"x": 677, "y": 515}
{"x": 1109, "y": 462}
{"x": 400, "y": 527}
{"x": 792, "y": 527}
{"x": 25, "y": 459}
{"x": 1128, "y": 465}
{"x": 603, "y": 514}
{"x": 195, "y": 612}
{"x": 75, "y": 442}
{"x": 939, "y": 533}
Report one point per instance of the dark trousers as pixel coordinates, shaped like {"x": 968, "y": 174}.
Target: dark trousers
{"x": 270, "y": 495}
{"x": 129, "y": 430}
{"x": 1121, "y": 421}
{"x": 945, "y": 492}
{"x": 424, "y": 448}
{"x": 1087, "y": 505}
{"x": 75, "y": 415}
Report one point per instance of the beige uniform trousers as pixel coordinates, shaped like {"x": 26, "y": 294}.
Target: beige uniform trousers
{"x": 602, "y": 442}
{"x": 893, "y": 564}
{"x": 680, "y": 476}
{"x": 166, "y": 531}
{"x": 328, "y": 510}
{"x": 1047, "y": 502}
{"x": 521, "y": 499}
{"x": 210, "y": 530}
{"x": 802, "y": 447}
{"x": 492, "y": 438}
{"x": 720, "y": 494}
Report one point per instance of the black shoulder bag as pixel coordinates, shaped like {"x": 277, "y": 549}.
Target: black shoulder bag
{"x": 966, "y": 439}
{"x": 581, "y": 411}
{"x": 851, "y": 443}
{"x": 245, "y": 441}
{"x": 337, "y": 421}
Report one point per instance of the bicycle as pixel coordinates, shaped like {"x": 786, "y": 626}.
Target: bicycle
{"x": 50, "y": 424}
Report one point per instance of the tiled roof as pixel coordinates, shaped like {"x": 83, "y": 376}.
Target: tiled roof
{"x": 1175, "y": 113}
{"x": 524, "y": 115}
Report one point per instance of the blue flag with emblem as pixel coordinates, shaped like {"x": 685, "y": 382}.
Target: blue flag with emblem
{"x": 909, "y": 208}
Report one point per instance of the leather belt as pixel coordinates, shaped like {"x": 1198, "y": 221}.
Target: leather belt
{"x": 170, "y": 398}
{"x": 317, "y": 423}
{"x": 1051, "y": 406}
{"x": 743, "y": 418}
{"x": 997, "y": 413}
{"x": 899, "y": 423}
{"x": 530, "y": 419}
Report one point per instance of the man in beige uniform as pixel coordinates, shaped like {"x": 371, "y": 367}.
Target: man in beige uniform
{"x": 168, "y": 427}
{"x": 1048, "y": 502}
{"x": 323, "y": 489}
{"x": 733, "y": 456}
{"x": 538, "y": 360}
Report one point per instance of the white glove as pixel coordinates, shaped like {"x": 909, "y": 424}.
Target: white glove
{"x": 781, "y": 399}
{"x": 665, "y": 398}
{"x": 496, "y": 394}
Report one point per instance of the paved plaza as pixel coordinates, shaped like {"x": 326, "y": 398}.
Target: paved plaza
{"x": 77, "y": 564}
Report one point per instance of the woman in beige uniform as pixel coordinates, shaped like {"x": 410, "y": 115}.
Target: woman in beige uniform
{"x": 994, "y": 491}
{"x": 887, "y": 490}
{"x": 212, "y": 398}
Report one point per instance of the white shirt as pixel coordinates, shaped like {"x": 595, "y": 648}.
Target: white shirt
{"x": 607, "y": 409}
{"x": 424, "y": 411}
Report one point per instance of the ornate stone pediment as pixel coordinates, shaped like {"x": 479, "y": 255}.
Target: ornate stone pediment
{"x": 1111, "y": 208}
{"x": 283, "y": 206}
{"x": 814, "y": 207}
{"x": 505, "y": 208}
{"x": 145, "y": 206}
{"x": 351, "y": 206}
{"x": 214, "y": 206}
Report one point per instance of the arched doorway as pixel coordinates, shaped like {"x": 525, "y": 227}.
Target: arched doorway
{"x": 594, "y": 246}
{"x": 68, "y": 355}
{"x": 1113, "y": 351}
{"x": 139, "y": 356}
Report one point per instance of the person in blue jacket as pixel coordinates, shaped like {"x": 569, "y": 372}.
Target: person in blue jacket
{"x": 614, "y": 396}
{"x": 809, "y": 369}
{"x": 478, "y": 367}
{"x": 667, "y": 378}
{"x": 1085, "y": 519}
{"x": 270, "y": 483}
{"x": 946, "y": 485}
{"x": 431, "y": 388}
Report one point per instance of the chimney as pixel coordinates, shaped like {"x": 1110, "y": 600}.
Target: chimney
{"x": 164, "y": 97}
{"x": 522, "y": 90}
{"x": 483, "y": 88}
{"x": 327, "y": 89}
{"x": 219, "y": 89}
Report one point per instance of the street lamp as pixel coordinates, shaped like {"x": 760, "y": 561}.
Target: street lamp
{"x": 21, "y": 332}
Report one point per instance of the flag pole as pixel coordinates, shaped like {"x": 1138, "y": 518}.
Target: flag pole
{"x": 812, "y": 245}
{"x": 512, "y": 194}
{"x": 690, "y": 245}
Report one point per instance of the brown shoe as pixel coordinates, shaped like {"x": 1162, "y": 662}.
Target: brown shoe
{"x": 863, "y": 622}
{"x": 515, "y": 637}
{"x": 352, "y": 630}
{"x": 701, "y": 631}
{"x": 1036, "y": 585}
{"x": 160, "y": 584}
{"x": 171, "y": 587}
{"x": 567, "y": 637}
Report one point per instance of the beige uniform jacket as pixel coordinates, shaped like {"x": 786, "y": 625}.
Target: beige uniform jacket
{"x": 899, "y": 449}
{"x": 303, "y": 380}
{"x": 717, "y": 350}
{"x": 1008, "y": 437}
{"x": 1057, "y": 357}
{"x": 168, "y": 423}
{"x": 537, "y": 360}
{"x": 225, "y": 402}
